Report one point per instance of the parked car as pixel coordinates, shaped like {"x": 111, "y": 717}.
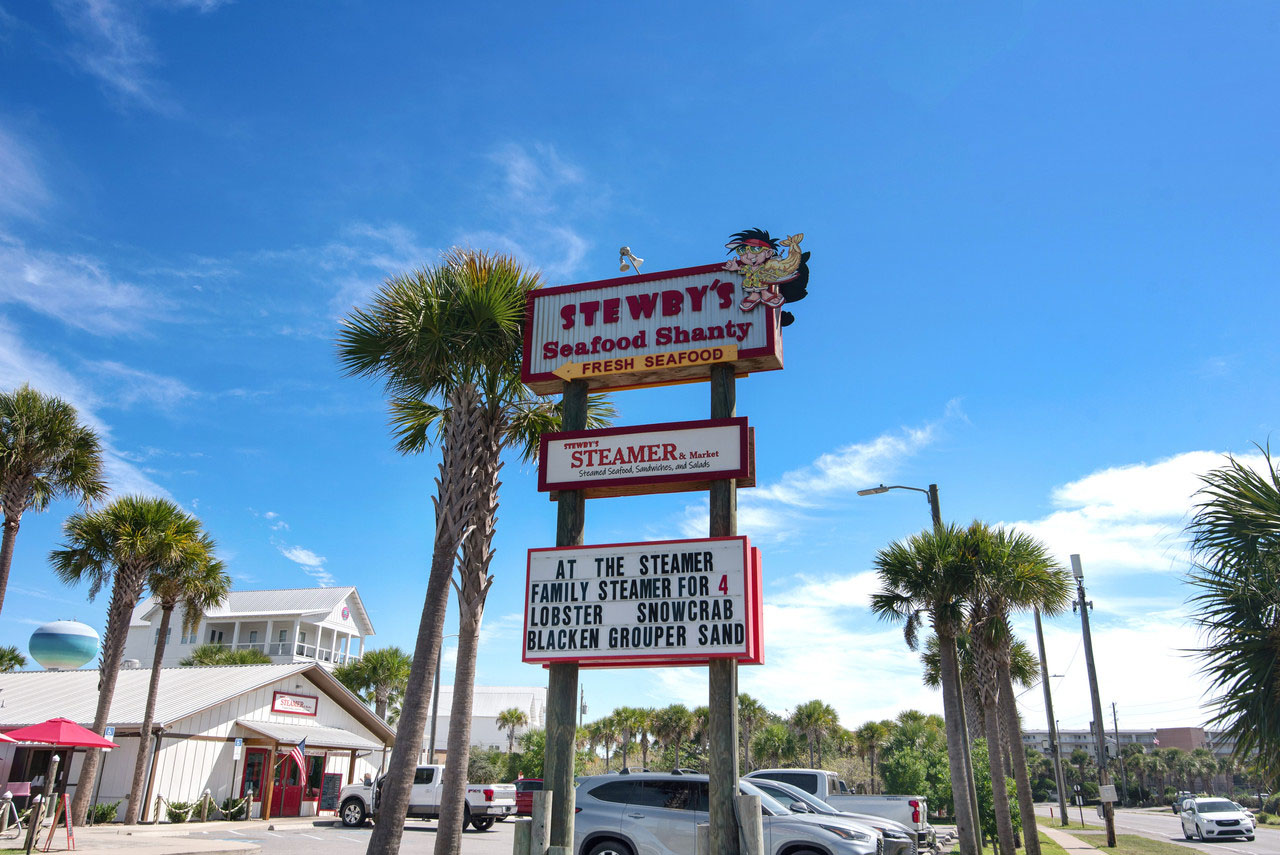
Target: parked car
{"x": 911, "y": 811}
{"x": 525, "y": 788}
{"x": 898, "y": 839}
{"x": 657, "y": 813}
{"x": 1208, "y": 819}
{"x": 1178, "y": 798}
{"x": 486, "y": 803}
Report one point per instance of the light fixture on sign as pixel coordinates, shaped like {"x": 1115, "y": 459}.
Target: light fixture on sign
{"x": 624, "y": 256}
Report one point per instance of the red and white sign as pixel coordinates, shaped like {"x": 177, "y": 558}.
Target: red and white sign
{"x": 288, "y": 702}
{"x": 672, "y": 602}
{"x": 661, "y": 458}
{"x": 646, "y": 330}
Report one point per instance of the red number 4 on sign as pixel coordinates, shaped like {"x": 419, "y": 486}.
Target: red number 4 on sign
{"x": 724, "y": 585}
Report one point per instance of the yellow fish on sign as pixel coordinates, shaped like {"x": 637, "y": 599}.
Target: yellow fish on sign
{"x": 647, "y": 362}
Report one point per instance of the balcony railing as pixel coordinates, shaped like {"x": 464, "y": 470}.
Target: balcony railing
{"x": 252, "y": 645}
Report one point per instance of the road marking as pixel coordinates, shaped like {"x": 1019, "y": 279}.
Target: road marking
{"x": 272, "y": 833}
{"x": 237, "y": 833}
{"x": 352, "y": 839}
{"x": 311, "y": 836}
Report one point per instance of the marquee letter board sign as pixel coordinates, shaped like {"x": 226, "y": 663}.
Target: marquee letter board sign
{"x": 661, "y": 458}
{"x": 673, "y": 602}
{"x": 647, "y": 330}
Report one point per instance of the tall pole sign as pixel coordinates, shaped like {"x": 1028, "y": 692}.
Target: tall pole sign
{"x": 686, "y": 602}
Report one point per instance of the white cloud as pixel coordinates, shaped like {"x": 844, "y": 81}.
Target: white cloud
{"x": 311, "y": 564}
{"x": 131, "y": 386}
{"x": 22, "y": 190}
{"x": 112, "y": 46}
{"x": 1128, "y": 518}
{"x": 74, "y": 289}
{"x": 20, "y": 364}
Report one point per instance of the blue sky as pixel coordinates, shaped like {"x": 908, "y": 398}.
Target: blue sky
{"x": 1043, "y": 276}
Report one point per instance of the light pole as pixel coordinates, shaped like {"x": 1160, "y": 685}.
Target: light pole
{"x": 435, "y": 697}
{"x": 1055, "y": 747}
{"x": 935, "y": 511}
{"x": 1099, "y": 726}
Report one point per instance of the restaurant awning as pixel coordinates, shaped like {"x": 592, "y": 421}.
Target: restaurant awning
{"x": 316, "y": 736}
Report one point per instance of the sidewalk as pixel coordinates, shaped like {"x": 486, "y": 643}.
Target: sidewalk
{"x": 1069, "y": 842}
{"x": 168, "y": 838}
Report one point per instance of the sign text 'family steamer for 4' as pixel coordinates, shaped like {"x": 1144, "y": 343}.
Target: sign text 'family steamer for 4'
{"x": 670, "y": 602}
{"x": 661, "y": 458}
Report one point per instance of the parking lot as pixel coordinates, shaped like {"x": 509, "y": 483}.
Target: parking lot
{"x": 328, "y": 837}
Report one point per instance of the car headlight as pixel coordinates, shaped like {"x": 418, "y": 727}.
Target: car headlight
{"x": 845, "y": 834}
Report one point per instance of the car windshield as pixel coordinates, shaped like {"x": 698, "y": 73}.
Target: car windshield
{"x": 768, "y": 803}
{"x": 1215, "y": 806}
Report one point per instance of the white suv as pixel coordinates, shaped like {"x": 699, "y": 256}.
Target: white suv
{"x": 658, "y": 814}
{"x": 1212, "y": 818}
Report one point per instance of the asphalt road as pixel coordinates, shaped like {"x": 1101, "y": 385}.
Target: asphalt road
{"x": 1165, "y": 825}
{"x": 331, "y": 838}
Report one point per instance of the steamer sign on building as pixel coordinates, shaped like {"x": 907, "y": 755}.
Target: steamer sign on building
{"x": 647, "y": 330}
{"x": 674, "y": 602}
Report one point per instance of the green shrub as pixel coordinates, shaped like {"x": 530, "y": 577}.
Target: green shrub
{"x": 1263, "y": 817}
{"x": 103, "y": 812}
{"x": 483, "y": 769}
{"x": 238, "y": 813}
{"x": 178, "y": 811}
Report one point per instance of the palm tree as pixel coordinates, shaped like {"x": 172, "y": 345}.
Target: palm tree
{"x": 750, "y": 713}
{"x": 11, "y": 659}
{"x": 921, "y": 579}
{"x": 509, "y": 720}
{"x": 1235, "y": 533}
{"x": 775, "y": 741}
{"x": 607, "y": 735}
{"x": 45, "y": 454}
{"x": 447, "y": 341}
{"x": 206, "y": 655}
{"x": 630, "y": 722}
{"x": 382, "y": 676}
{"x": 199, "y": 582}
{"x": 673, "y": 725}
{"x": 1131, "y": 757}
{"x": 869, "y": 738}
{"x": 815, "y": 720}
{"x": 644, "y": 720}
{"x": 1014, "y": 572}
{"x": 121, "y": 544}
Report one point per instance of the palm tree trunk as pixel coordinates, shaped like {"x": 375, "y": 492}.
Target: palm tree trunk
{"x": 1013, "y": 727}
{"x": 999, "y": 792}
{"x": 124, "y": 595}
{"x": 381, "y": 698}
{"x": 6, "y": 551}
{"x": 810, "y": 741}
{"x": 453, "y": 795}
{"x": 952, "y": 710}
{"x": 456, "y": 495}
{"x": 872, "y": 782}
{"x": 134, "y": 810}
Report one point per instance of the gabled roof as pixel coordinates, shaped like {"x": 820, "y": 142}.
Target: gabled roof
{"x": 31, "y": 697}
{"x": 308, "y": 602}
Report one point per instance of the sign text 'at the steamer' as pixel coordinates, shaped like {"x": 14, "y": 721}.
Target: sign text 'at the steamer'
{"x": 668, "y": 326}
{"x": 672, "y": 602}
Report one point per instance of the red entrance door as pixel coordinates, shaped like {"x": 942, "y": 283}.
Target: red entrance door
{"x": 286, "y": 794}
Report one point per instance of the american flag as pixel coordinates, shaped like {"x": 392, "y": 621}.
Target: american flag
{"x": 1156, "y": 741}
{"x": 299, "y": 756}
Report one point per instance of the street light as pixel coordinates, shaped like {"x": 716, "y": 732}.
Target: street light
{"x": 435, "y": 696}
{"x": 931, "y": 495}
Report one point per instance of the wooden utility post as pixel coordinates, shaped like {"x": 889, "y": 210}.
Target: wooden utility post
{"x": 562, "y": 683}
{"x": 722, "y": 701}
{"x": 1099, "y": 725}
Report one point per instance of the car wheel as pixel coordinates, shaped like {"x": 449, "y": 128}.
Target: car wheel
{"x": 610, "y": 847}
{"x": 1185, "y": 834}
{"x": 482, "y": 823}
{"x": 1248, "y": 837}
{"x": 353, "y": 813}
{"x": 1199, "y": 833}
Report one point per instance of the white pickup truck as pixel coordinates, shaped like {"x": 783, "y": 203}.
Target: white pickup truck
{"x": 911, "y": 811}
{"x": 486, "y": 803}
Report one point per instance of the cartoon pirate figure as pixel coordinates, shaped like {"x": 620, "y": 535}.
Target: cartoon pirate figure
{"x": 768, "y": 277}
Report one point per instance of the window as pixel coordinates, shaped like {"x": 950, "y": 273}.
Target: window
{"x": 615, "y": 791}
{"x": 284, "y": 636}
{"x": 215, "y": 636}
{"x": 424, "y": 775}
{"x": 528, "y": 785}
{"x": 795, "y": 779}
{"x": 302, "y": 636}
{"x": 315, "y": 775}
{"x": 253, "y": 636}
{"x": 167, "y": 633}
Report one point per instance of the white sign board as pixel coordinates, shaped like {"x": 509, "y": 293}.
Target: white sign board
{"x": 294, "y": 704}
{"x": 675, "y": 602}
{"x": 656, "y": 328}
{"x": 1107, "y": 793}
{"x": 239, "y": 748}
{"x": 659, "y": 458}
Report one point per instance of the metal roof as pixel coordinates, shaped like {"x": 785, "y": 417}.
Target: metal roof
{"x": 30, "y": 697}
{"x": 489, "y": 701}
{"x": 283, "y": 601}
{"x": 316, "y": 736}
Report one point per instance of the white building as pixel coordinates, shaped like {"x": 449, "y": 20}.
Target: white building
{"x": 487, "y": 703}
{"x": 200, "y": 715}
{"x": 325, "y": 625}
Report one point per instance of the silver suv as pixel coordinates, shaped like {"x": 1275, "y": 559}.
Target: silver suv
{"x": 658, "y": 814}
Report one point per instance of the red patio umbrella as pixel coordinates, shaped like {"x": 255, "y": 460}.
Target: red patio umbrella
{"x": 61, "y": 731}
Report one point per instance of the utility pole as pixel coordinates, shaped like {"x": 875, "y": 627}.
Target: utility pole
{"x": 1099, "y": 728}
{"x": 1124, "y": 771}
{"x": 1055, "y": 748}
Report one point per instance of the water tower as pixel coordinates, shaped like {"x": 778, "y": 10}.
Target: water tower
{"x": 63, "y": 644}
